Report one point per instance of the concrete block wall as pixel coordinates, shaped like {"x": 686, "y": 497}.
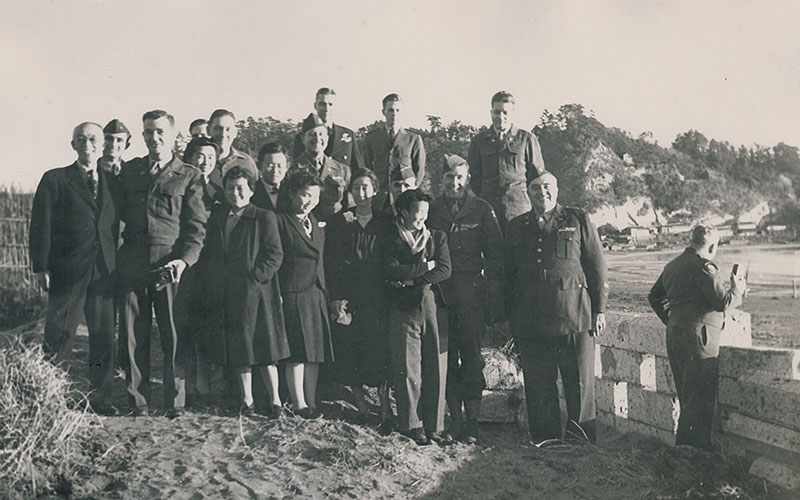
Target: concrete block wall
{"x": 759, "y": 392}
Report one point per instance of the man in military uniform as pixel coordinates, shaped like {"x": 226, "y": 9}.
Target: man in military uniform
{"x": 342, "y": 145}
{"x": 476, "y": 255}
{"x": 335, "y": 176}
{"x": 502, "y": 159}
{"x": 691, "y": 299}
{"x": 161, "y": 203}
{"x": 223, "y": 131}
{"x": 556, "y": 291}
{"x": 392, "y": 139}
{"x": 116, "y": 139}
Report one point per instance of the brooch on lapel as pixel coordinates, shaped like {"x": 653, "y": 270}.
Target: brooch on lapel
{"x": 321, "y": 224}
{"x": 346, "y": 137}
{"x": 349, "y": 217}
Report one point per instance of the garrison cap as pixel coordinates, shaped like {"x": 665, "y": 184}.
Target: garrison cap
{"x": 312, "y": 121}
{"x": 453, "y": 161}
{"x": 538, "y": 175}
{"x": 116, "y": 127}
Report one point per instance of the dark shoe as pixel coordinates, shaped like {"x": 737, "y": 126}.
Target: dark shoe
{"x": 361, "y": 419}
{"x": 441, "y": 439}
{"x": 309, "y": 413}
{"x": 199, "y": 402}
{"x": 247, "y": 410}
{"x": 387, "y": 426}
{"x": 105, "y": 409}
{"x": 472, "y": 409}
{"x": 174, "y": 412}
{"x": 418, "y": 436}
{"x": 471, "y": 434}
{"x": 276, "y": 412}
{"x": 140, "y": 411}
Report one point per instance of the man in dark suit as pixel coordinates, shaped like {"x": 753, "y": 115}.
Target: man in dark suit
{"x": 342, "y": 145}
{"x": 161, "y": 203}
{"x": 392, "y": 139}
{"x": 557, "y": 291}
{"x": 72, "y": 250}
{"x": 270, "y": 192}
{"x": 503, "y": 159}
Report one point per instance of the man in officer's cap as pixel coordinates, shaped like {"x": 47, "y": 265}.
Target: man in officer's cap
{"x": 335, "y": 176}
{"x": 691, "y": 298}
{"x": 556, "y": 293}
{"x": 342, "y": 145}
{"x": 116, "y": 139}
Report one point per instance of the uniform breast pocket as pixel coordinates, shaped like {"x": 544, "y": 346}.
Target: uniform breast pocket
{"x": 566, "y": 245}
{"x": 165, "y": 203}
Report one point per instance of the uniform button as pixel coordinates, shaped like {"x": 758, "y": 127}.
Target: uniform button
{"x": 539, "y": 250}
{"x": 540, "y": 240}
{"x": 538, "y": 261}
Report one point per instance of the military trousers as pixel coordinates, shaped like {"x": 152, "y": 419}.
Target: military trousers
{"x": 91, "y": 297}
{"x": 418, "y": 351}
{"x": 465, "y": 296}
{"x": 542, "y": 359}
{"x": 696, "y": 382}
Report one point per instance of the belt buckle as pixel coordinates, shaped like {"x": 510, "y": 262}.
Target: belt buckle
{"x": 543, "y": 274}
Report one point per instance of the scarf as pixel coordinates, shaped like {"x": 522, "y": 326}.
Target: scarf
{"x": 417, "y": 243}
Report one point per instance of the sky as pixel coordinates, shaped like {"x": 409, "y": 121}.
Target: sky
{"x": 730, "y": 69}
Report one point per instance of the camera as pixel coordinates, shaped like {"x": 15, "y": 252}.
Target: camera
{"x": 164, "y": 276}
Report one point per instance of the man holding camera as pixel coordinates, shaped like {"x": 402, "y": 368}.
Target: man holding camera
{"x": 691, "y": 299}
{"x": 161, "y": 204}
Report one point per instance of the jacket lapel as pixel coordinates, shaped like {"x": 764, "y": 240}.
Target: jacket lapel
{"x": 298, "y": 226}
{"x": 78, "y": 183}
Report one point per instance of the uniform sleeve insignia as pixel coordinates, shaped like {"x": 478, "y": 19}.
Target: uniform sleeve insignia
{"x": 346, "y": 137}
{"x": 710, "y": 267}
{"x": 567, "y": 230}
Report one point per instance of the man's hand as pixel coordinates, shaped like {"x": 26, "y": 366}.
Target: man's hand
{"x": 738, "y": 284}
{"x": 179, "y": 266}
{"x": 599, "y": 322}
{"x": 43, "y": 277}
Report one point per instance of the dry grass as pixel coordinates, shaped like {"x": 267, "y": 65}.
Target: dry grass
{"x": 43, "y": 441}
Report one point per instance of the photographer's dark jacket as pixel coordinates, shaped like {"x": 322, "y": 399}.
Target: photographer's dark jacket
{"x": 555, "y": 276}
{"x": 243, "y": 318}
{"x": 399, "y": 264}
{"x": 164, "y": 216}
{"x": 69, "y": 227}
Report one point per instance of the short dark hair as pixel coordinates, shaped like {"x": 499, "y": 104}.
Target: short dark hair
{"x": 703, "y": 235}
{"x": 238, "y": 172}
{"x": 364, "y": 172}
{"x": 158, "y": 113}
{"x": 302, "y": 178}
{"x": 195, "y": 145}
{"x": 503, "y": 96}
{"x": 197, "y": 122}
{"x": 271, "y": 148}
{"x": 325, "y": 91}
{"x": 390, "y": 98}
{"x": 408, "y": 198}
{"x": 219, "y": 113}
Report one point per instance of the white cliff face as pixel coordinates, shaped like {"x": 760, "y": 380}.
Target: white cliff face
{"x": 634, "y": 212}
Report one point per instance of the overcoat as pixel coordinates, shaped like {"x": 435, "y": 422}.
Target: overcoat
{"x": 243, "y": 318}
{"x": 302, "y": 279}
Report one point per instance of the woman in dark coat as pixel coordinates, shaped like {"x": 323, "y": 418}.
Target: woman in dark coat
{"x": 303, "y": 290}
{"x": 241, "y": 258}
{"x": 357, "y": 293}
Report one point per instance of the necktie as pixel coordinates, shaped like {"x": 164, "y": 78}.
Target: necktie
{"x": 541, "y": 221}
{"x": 229, "y": 225}
{"x": 391, "y": 135}
{"x": 307, "y": 226}
{"x": 91, "y": 181}
{"x": 456, "y": 207}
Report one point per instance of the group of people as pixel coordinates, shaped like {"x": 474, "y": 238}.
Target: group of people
{"x": 327, "y": 261}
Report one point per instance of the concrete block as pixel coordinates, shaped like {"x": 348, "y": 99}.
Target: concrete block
{"x": 736, "y": 361}
{"x": 647, "y": 372}
{"x": 621, "y": 399}
{"x": 598, "y": 362}
{"x": 653, "y": 408}
{"x": 501, "y": 371}
{"x": 500, "y": 406}
{"x": 764, "y": 432}
{"x": 632, "y": 332}
{"x": 620, "y": 364}
{"x": 664, "y": 381}
{"x": 737, "y": 331}
{"x": 606, "y": 418}
{"x": 779, "y": 473}
{"x": 764, "y": 396}
{"x": 604, "y": 394}
{"x": 625, "y": 425}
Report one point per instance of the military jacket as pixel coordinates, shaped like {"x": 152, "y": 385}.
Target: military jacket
{"x": 335, "y": 178}
{"x": 500, "y": 169}
{"x": 473, "y": 235}
{"x": 690, "y": 291}
{"x": 165, "y": 211}
{"x": 237, "y": 158}
{"x": 555, "y": 276}
{"x": 406, "y": 146}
